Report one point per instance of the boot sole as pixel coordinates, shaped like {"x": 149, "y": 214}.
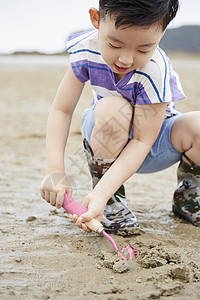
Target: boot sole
{"x": 180, "y": 215}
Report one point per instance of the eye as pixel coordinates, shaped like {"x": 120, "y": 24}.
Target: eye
{"x": 143, "y": 52}
{"x": 112, "y": 46}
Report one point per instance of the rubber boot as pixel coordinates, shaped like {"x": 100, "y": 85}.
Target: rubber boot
{"x": 117, "y": 218}
{"x": 186, "y": 200}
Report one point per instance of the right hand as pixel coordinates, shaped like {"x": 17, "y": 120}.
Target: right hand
{"x": 53, "y": 188}
{"x": 95, "y": 204}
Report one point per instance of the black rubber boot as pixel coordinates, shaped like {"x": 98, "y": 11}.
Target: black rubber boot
{"x": 186, "y": 200}
{"x": 117, "y": 218}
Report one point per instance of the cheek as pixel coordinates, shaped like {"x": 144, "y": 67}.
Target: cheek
{"x": 144, "y": 59}
{"x": 107, "y": 53}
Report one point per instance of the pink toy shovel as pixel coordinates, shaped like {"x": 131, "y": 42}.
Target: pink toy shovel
{"x": 72, "y": 207}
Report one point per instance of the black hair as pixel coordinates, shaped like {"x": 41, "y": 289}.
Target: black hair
{"x": 139, "y": 12}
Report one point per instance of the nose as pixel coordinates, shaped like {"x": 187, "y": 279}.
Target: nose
{"x": 126, "y": 58}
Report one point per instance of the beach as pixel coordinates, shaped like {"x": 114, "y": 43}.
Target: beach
{"x": 43, "y": 254}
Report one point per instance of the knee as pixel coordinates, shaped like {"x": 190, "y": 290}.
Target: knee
{"x": 195, "y": 129}
{"x": 185, "y": 132}
{"x": 113, "y": 111}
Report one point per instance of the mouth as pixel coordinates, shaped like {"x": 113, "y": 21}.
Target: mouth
{"x": 121, "y": 69}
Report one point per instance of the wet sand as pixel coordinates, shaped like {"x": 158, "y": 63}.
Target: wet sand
{"x": 43, "y": 254}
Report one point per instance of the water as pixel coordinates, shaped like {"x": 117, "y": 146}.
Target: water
{"x": 24, "y": 62}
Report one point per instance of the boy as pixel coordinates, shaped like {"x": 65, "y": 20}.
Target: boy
{"x": 132, "y": 125}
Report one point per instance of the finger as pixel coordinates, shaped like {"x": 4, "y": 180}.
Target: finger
{"x": 85, "y": 228}
{"x": 89, "y": 215}
{"x": 42, "y": 193}
{"x": 52, "y": 198}
{"x": 78, "y": 223}
{"x": 69, "y": 192}
{"x": 59, "y": 199}
{"x": 74, "y": 218}
{"x": 47, "y": 196}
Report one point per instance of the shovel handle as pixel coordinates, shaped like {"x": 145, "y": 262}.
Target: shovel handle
{"x": 73, "y": 207}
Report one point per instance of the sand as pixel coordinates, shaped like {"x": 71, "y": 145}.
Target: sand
{"x": 43, "y": 254}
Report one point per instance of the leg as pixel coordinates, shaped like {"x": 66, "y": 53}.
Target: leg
{"x": 112, "y": 118}
{"x": 185, "y": 137}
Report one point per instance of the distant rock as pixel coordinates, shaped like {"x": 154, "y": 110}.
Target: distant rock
{"x": 38, "y": 53}
{"x": 182, "y": 39}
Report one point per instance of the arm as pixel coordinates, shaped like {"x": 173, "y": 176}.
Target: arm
{"x": 55, "y": 183}
{"x": 146, "y": 126}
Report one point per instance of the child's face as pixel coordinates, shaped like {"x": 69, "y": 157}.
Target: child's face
{"x": 127, "y": 49}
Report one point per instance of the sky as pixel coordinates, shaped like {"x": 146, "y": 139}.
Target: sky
{"x": 43, "y": 25}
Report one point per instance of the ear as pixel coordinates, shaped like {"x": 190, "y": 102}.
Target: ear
{"x": 94, "y": 17}
{"x": 163, "y": 32}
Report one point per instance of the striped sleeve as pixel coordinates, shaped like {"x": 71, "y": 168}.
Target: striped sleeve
{"x": 78, "y": 49}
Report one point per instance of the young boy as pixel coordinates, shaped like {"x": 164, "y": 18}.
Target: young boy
{"x": 132, "y": 125}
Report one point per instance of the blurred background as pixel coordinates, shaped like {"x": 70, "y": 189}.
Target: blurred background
{"x": 43, "y": 25}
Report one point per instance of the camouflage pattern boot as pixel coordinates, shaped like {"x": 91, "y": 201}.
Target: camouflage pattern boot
{"x": 117, "y": 218}
{"x": 186, "y": 201}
